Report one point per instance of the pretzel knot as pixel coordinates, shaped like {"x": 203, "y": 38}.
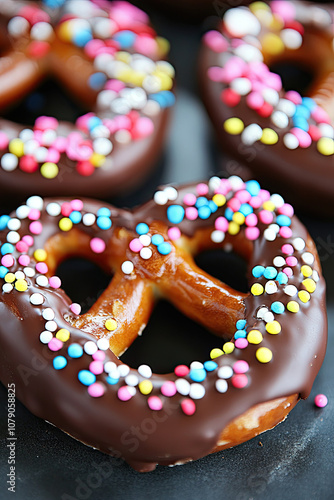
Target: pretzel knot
{"x": 110, "y": 59}
{"x": 270, "y": 341}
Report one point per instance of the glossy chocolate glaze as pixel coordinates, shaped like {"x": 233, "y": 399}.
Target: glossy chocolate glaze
{"x": 304, "y": 176}
{"x": 169, "y": 436}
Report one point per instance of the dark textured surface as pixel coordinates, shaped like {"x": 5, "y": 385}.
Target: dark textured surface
{"x": 295, "y": 460}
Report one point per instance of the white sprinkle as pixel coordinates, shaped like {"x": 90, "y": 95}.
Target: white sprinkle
{"x": 30, "y": 146}
{"x": 280, "y": 119}
{"x": 152, "y": 108}
{"x": 240, "y": 22}
{"x": 127, "y": 267}
{"x": 308, "y": 258}
{"x": 48, "y": 314}
{"x": 42, "y": 280}
{"x": 288, "y": 107}
{"x": 171, "y": 193}
{"x": 236, "y": 182}
{"x": 123, "y": 136}
{"x": 145, "y": 371}
{"x": 90, "y": 347}
{"x": 315, "y": 276}
{"x": 225, "y": 372}
{"x": 48, "y": 137}
{"x": 105, "y": 97}
{"x": 100, "y": 132}
{"x": 197, "y": 391}
{"x": 268, "y": 317}
{"x": 277, "y": 200}
{"x": 299, "y": 244}
{"x": 262, "y": 312}
{"x": 40, "y": 154}
{"x": 53, "y": 209}
{"x": 326, "y": 130}
{"x": 14, "y": 224}
{"x": 145, "y": 239}
{"x": 131, "y": 380}
{"x": 29, "y": 272}
{"x": 160, "y": 198}
{"x": 279, "y": 261}
{"x": 104, "y": 28}
{"x": 214, "y": 182}
{"x": 7, "y": 287}
{"x": 182, "y": 386}
{"x": 145, "y": 253}
{"x": 51, "y": 326}
{"x": 37, "y": 299}
{"x": 292, "y": 39}
{"x": 110, "y": 366}
{"x": 22, "y": 212}
{"x": 221, "y": 385}
{"x": 196, "y": 365}
{"x": 251, "y": 134}
{"x": 270, "y": 287}
{"x": 269, "y": 234}
{"x": 13, "y": 237}
{"x": 241, "y": 86}
{"x": 45, "y": 337}
{"x": 35, "y": 202}
{"x": 18, "y": 26}
{"x": 26, "y": 134}
{"x": 19, "y": 275}
{"x": 88, "y": 219}
{"x": 103, "y": 344}
{"x": 102, "y": 146}
{"x": 9, "y": 162}
{"x": 290, "y": 290}
{"x": 131, "y": 390}
{"x": 151, "y": 84}
{"x": 290, "y": 141}
{"x": 123, "y": 370}
{"x": 248, "y": 53}
{"x": 217, "y": 236}
{"x": 41, "y": 31}
{"x": 271, "y": 96}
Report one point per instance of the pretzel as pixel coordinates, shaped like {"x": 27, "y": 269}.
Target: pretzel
{"x": 105, "y": 54}
{"x": 66, "y": 367}
{"x": 285, "y": 138}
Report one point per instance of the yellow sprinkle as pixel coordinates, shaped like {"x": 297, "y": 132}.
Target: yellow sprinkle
{"x": 16, "y": 147}
{"x": 228, "y": 347}
{"x": 255, "y": 6}
{"x": 269, "y": 205}
{"x": 269, "y": 136}
{"x": 124, "y": 75}
{"x": 21, "y": 285}
{"x": 325, "y": 146}
{"x": 273, "y": 327}
{"x": 233, "y": 228}
{"x": 219, "y": 200}
{"x": 304, "y": 296}
{"x": 40, "y": 254}
{"x": 145, "y": 386}
{"x": 165, "y": 81}
{"x": 10, "y": 278}
{"x": 49, "y": 170}
{"x": 166, "y": 67}
{"x": 306, "y": 271}
{"x": 264, "y": 355}
{"x": 97, "y": 160}
{"x": 123, "y": 56}
{"x": 111, "y": 324}
{"x": 257, "y": 289}
{"x": 239, "y": 218}
{"x": 254, "y": 337}
{"x": 292, "y": 306}
{"x": 163, "y": 45}
{"x": 65, "y": 32}
{"x": 276, "y": 23}
{"x": 137, "y": 78}
{"x": 63, "y": 334}
{"x": 215, "y": 353}
{"x": 309, "y": 284}
{"x": 272, "y": 44}
{"x": 234, "y": 126}
{"x": 65, "y": 224}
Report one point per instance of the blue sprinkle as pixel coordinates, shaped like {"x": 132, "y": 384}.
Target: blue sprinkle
{"x": 86, "y": 377}
{"x": 309, "y": 103}
{"x": 301, "y": 123}
{"x": 103, "y": 212}
{"x": 53, "y": 4}
{"x": 96, "y": 81}
{"x": 7, "y": 248}
{"x": 111, "y": 380}
{"x": 93, "y": 122}
{"x": 229, "y": 213}
{"x": 165, "y": 98}
{"x": 270, "y": 273}
{"x": 75, "y": 351}
{"x": 3, "y": 221}
{"x": 82, "y": 37}
{"x": 277, "y": 307}
{"x": 142, "y": 228}
{"x": 197, "y": 375}
{"x": 175, "y": 214}
{"x": 125, "y": 38}
{"x": 283, "y": 220}
{"x": 165, "y": 248}
{"x": 302, "y": 112}
{"x": 104, "y": 222}
{"x": 240, "y": 324}
{"x": 213, "y": 206}
{"x": 245, "y": 209}
{"x": 157, "y": 239}
{"x": 282, "y": 278}
{"x": 210, "y": 365}
{"x": 240, "y": 334}
{"x": 253, "y": 187}
{"x": 201, "y": 202}
{"x": 75, "y": 217}
{"x": 204, "y": 212}
{"x": 258, "y": 271}
{"x": 3, "y": 271}
{"x": 59, "y": 362}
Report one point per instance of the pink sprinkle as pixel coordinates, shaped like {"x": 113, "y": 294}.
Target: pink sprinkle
{"x": 215, "y": 41}
{"x": 97, "y": 245}
{"x": 239, "y": 381}
{"x": 191, "y": 213}
{"x": 291, "y": 261}
{"x": 273, "y": 81}
{"x": 221, "y": 224}
{"x": 7, "y": 260}
{"x": 287, "y": 249}
{"x": 96, "y": 390}
{"x": 266, "y": 216}
{"x": 143, "y": 127}
{"x": 241, "y": 343}
{"x": 124, "y": 394}
{"x": 3, "y": 140}
{"x": 154, "y": 402}
{"x": 320, "y": 115}
{"x": 285, "y": 232}
{"x": 24, "y": 260}
{"x": 241, "y": 366}
{"x": 188, "y": 406}
{"x": 189, "y": 199}
{"x": 55, "y": 344}
{"x": 42, "y": 268}
{"x": 77, "y": 205}
{"x": 264, "y": 194}
{"x": 202, "y": 189}
{"x": 99, "y": 356}
{"x": 135, "y": 245}
{"x": 29, "y": 240}
{"x": 181, "y": 371}
{"x": 285, "y": 10}
{"x": 321, "y": 400}
{"x": 314, "y": 132}
{"x": 92, "y": 47}
{"x": 304, "y": 139}
{"x": 234, "y": 68}
{"x": 66, "y": 209}
{"x": 96, "y": 367}
{"x": 53, "y": 155}
{"x": 251, "y": 220}
{"x": 234, "y": 204}
{"x": 34, "y": 214}
{"x": 288, "y": 271}
{"x": 174, "y": 233}
{"x": 255, "y": 202}
{"x": 252, "y": 233}
{"x": 54, "y": 282}
{"x": 21, "y": 246}
{"x": 254, "y": 100}
{"x": 60, "y": 143}
{"x": 75, "y": 308}
{"x": 46, "y": 122}
{"x": 294, "y": 97}
{"x": 168, "y": 389}
{"x": 115, "y": 85}
{"x": 36, "y": 227}
{"x": 286, "y": 209}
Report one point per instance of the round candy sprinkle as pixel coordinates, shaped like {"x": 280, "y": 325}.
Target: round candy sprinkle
{"x": 264, "y": 355}
{"x": 59, "y": 362}
{"x": 154, "y": 403}
{"x": 188, "y": 406}
{"x": 321, "y": 400}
